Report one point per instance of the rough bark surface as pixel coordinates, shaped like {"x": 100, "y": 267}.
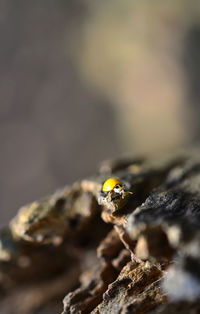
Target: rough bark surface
{"x": 143, "y": 257}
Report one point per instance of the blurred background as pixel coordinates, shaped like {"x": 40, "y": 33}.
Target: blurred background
{"x": 83, "y": 81}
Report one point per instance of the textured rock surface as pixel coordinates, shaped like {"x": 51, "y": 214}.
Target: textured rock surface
{"x": 142, "y": 258}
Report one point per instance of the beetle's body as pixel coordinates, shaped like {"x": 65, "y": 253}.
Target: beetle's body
{"x": 113, "y": 194}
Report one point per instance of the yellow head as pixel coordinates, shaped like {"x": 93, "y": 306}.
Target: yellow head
{"x": 110, "y": 184}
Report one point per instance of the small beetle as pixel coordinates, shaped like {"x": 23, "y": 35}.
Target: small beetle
{"x": 113, "y": 194}
{"x": 113, "y": 185}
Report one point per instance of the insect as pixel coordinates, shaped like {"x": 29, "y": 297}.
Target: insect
{"x": 114, "y": 193}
